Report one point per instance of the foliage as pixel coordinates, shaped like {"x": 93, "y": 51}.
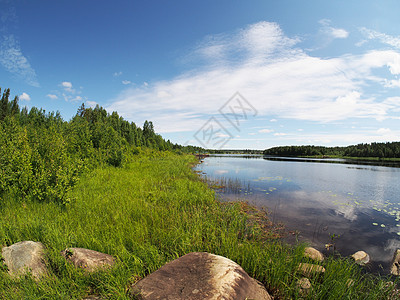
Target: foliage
{"x": 151, "y": 211}
{"x": 378, "y": 150}
{"x": 42, "y": 156}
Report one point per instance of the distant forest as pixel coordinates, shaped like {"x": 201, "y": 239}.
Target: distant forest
{"x": 234, "y": 151}
{"x": 378, "y": 150}
{"x": 42, "y": 156}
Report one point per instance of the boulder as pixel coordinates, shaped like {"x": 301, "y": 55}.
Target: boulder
{"x": 395, "y": 269}
{"x": 313, "y": 253}
{"x": 199, "y": 276}
{"x": 304, "y": 286}
{"x": 25, "y": 257}
{"x": 89, "y": 260}
{"x": 361, "y": 257}
{"x": 310, "y": 269}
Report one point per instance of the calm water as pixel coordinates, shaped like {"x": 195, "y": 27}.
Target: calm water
{"x": 361, "y": 203}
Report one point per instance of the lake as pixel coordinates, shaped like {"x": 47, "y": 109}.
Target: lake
{"x": 320, "y": 197}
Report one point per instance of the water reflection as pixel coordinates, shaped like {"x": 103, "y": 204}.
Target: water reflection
{"x": 359, "y": 203}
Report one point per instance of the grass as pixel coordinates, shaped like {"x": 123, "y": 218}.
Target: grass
{"x": 152, "y": 211}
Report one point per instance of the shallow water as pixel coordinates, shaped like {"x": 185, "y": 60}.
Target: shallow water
{"x": 358, "y": 201}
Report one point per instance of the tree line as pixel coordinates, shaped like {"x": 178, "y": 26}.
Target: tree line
{"x": 377, "y": 150}
{"x": 42, "y": 156}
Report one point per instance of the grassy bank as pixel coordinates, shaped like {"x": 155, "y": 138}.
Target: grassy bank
{"x": 147, "y": 213}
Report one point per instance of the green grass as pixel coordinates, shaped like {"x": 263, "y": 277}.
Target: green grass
{"x": 152, "y": 211}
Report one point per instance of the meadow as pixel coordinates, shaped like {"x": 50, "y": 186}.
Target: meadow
{"x": 150, "y": 211}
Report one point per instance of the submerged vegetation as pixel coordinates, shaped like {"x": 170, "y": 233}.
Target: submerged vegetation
{"x": 101, "y": 183}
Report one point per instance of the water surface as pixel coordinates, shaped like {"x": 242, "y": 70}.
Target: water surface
{"x": 319, "y": 198}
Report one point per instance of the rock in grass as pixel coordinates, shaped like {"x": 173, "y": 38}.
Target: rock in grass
{"x": 25, "y": 257}
{"x": 361, "y": 257}
{"x": 313, "y": 254}
{"x": 310, "y": 269}
{"x": 304, "y": 285}
{"x": 199, "y": 276}
{"x": 89, "y": 260}
{"x": 395, "y": 269}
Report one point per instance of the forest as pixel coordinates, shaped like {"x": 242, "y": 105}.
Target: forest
{"x": 375, "y": 150}
{"x": 42, "y": 156}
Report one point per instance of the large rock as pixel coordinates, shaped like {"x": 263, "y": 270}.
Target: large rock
{"x": 361, "y": 257}
{"x": 89, "y": 260}
{"x": 25, "y": 257}
{"x": 199, "y": 276}
{"x": 395, "y": 269}
{"x": 314, "y": 254}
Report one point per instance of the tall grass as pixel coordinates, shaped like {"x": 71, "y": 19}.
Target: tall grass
{"x": 150, "y": 212}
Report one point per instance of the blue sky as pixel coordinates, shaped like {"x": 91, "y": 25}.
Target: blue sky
{"x": 232, "y": 74}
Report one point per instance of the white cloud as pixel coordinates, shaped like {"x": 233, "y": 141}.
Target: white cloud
{"x": 392, "y": 83}
{"x": 273, "y": 120}
{"x": 266, "y": 130}
{"x": 222, "y": 135}
{"x": 339, "y": 33}
{"x": 126, "y": 82}
{"x": 91, "y": 104}
{"x": 280, "y": 134}
{"x": 52, "y": 96}
{"x": 117, "y": 74}
{"x": 273, "y": 74}
{"x": 67, "y": 86}
{"x": 382, "y": 37}
{"x": 332, "y": 32}
{"x": 383, "y": 131}
{"x": 24, "y": 97}
{"x": 13, "y": 60}
{"x": 77, "y": 98}
{"x": 252, "y": 133}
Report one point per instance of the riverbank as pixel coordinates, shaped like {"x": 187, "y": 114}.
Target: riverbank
{"x": 152, "y": 211}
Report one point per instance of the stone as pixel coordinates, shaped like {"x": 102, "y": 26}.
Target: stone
{"x": 395, "y": 269}
{"x": 25, "y": 257}
{"x": 199, "y": 276}
{"x": 310, "y": 269}
{"x": 314, "y": 254}
{"x": 361, "y": 257}
{"x": 89, "y": 260}
{"x": 304, "y": 285}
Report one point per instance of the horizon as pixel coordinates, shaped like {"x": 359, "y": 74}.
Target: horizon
{"x": 224, "y": 75}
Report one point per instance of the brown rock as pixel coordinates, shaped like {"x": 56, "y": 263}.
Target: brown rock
{"x": 310, "y": 269}
{"x": 304, "y": 285}
{"x": 395, "y": 269}
{"x": 199, "y": 276}
{"x": 24, "y": 257}
{"x": 89, "y": 260}
{"x": 313, "y": 254}
{"x": 361, "y": 257}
